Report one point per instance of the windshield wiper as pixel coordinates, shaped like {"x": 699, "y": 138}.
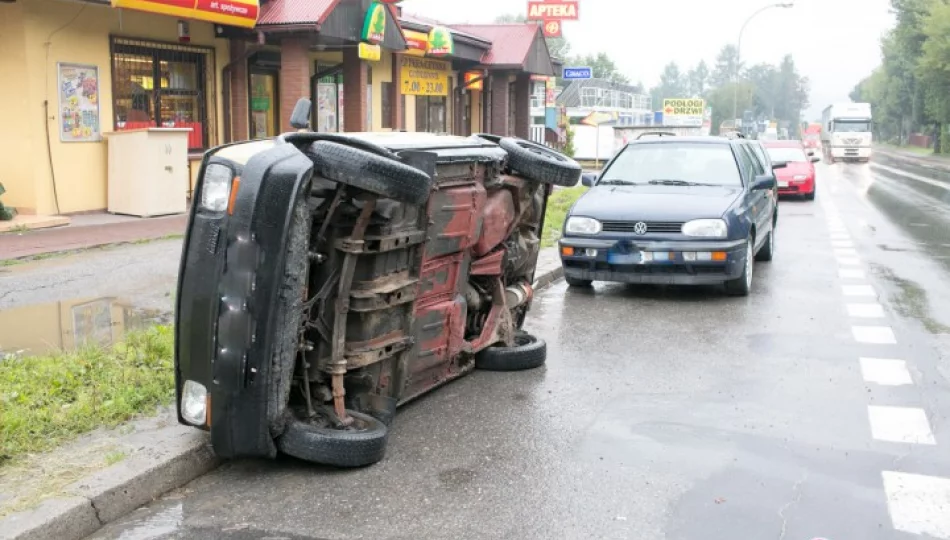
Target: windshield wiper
{"x": 675, "y": 183}
{"x": 616, "y": 182}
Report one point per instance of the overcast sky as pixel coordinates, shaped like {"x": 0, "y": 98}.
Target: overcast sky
{"x": 834, "y": 42}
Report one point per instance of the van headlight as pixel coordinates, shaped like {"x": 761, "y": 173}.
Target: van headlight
{"x": 216, "y": 187}
{"x": 194, "y": 403}
{"x": 706, "y": 228}
{"x": 582, "y": 225}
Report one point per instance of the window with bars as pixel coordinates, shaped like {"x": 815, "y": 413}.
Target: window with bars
{"x": 164, "y": 85}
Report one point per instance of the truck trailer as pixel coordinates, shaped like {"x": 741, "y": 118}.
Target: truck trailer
{"x": 846, "y": 132}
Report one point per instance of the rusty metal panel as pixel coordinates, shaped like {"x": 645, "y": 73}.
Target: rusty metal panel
{"x": 454, "y": 219}
{"x": 440, "y": 334}
{"x": 440, "y": 279}
{"x": 491, "y": 265}
{"x": 498, "y": 219}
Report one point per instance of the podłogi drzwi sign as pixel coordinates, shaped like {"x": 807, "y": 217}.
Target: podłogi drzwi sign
{"x": 683, "y": 112}
{"x": 424, "y": 76}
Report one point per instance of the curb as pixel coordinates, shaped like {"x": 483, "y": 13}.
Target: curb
{"x": 173, "y": 457}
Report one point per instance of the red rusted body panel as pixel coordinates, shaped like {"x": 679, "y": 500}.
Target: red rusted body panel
{"x": 498, "y": 221}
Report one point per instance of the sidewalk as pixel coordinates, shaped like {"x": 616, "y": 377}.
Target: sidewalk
{"x": 929, "y": 161}
{"x": 89, "y": 231}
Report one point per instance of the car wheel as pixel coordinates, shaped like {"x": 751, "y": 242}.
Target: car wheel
{"x": 529, "y": 352}
{"x": 768, "y": 249}
{"x": 370, "y": 172}
{"x": 811, "y": 196}
{"x": 540, "y": 163}
{"x": 488, "y": 137}
{"x": 581, "y": 283}
{"x": 289, "y": 315}
{"x": 742, "y": 286}
{"x": 357, "y": 446}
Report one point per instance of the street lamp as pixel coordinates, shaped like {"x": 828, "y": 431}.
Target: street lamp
{"x": 735, "y": 88}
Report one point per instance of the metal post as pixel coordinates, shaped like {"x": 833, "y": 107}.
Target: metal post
{"x": 735, "y": 88}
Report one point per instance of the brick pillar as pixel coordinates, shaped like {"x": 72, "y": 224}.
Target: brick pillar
{"x": 355, "y": 78}
{"x": 397, "y": 120}
{"x": 522, "y": 106}
{"x": 499, "y": 103}
{"x": 238, "y": 88}
{"x": 294, "y": 77}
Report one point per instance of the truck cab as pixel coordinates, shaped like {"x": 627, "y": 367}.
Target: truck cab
{"x": 846, "y": 132}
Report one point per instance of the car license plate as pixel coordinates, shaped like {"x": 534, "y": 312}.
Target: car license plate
{"x": 624, "y": 258}
{"x": 783, "y": 183}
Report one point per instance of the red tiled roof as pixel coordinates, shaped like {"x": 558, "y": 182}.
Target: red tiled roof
{"x": 295, "y": 11}
{"x": 510, "y": 43}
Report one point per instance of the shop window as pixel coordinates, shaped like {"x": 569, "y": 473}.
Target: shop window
{"x": 386, "y": 100}
{"x": 163, "y": 85}
{"x": 431, "y": 114}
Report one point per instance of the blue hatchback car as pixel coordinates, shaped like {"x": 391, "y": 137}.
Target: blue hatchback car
{"x": 675, "y": 210}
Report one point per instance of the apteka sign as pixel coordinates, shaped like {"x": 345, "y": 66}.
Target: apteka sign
{"x": 557, "y": 10}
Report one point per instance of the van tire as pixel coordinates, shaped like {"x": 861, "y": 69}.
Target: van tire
{"x": 370, "y": 172}
{"x": 336, "y": 447}
{"x": 540, "y": 163}
{"x": 529, "y": 352}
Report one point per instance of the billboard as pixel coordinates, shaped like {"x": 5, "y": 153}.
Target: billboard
{"x": 684, "y": 111}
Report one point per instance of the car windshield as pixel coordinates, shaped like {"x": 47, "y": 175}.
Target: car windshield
{"x": 674, "y": 163}
{"x": 851, "y": 127}
{"x": 787, "y": 154}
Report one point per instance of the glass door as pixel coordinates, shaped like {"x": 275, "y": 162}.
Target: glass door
{"x": 263, "y": 106}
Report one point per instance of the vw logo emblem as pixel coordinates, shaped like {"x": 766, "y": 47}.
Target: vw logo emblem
{"x": 640, "y": 228}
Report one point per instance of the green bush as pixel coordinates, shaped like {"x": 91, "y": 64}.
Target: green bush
{"x": 558, "y": 205}
{"x": 6, "y": 213}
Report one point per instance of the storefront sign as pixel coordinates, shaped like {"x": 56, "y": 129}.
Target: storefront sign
{"x": 474, "y": 80}
{"x": 374, "y": 25}
{"x": 552, "y": 29}
{"x": 241, "y": 13}
{"x": 684, "y": 107}
{"x": 416, "y": 42}
{"x": 551, "y": 10}
{"x": 441, "y": 42}
{"x": 79, "y": 103}
{"x": 370, "y": 52}
{"x": 424, "y": 77}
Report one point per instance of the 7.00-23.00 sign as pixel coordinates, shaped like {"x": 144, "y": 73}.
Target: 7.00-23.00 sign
{"x": 423, "y": 88}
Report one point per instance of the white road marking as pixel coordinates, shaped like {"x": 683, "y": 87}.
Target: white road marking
{"x": 918, "y": 504}
{"x": 858, "y": 290}
{"x": 866, "y": 311}
{"x": 846, "y": 253}
{"x": 849, "y": 261}
{"x": 900, "y": 425}
{"x": 885, "y": 372}
{"x": 851, "y": 273}
{"x": 842, "y": 244}
{"x": 919, "y": 178}
{"x": 877, "y": 335}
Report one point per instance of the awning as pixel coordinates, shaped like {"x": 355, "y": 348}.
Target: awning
{"x": 241, "y": 13}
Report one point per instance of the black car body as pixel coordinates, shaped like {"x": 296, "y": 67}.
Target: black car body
{"x": 704, "y": 229}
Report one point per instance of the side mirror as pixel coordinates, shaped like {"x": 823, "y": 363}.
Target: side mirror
{"x": 588, "y": 179}
{"x": 779, "y": 165}
{"x": 815, "y": 159}
{"x": 763, "y": 182}
{"x": 300, "y": 118}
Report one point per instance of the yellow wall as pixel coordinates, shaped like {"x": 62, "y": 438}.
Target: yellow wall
{"x": 35, "y": 35}
{"x": 382, "y": 72}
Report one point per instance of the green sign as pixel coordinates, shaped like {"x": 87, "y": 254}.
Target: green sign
{"x": 440, "y": 42}
{"x": 374, "y": 25}
{"x": 260, "y": 103}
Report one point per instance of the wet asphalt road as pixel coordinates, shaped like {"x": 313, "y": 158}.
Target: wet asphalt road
{"x": 665, "y": 413}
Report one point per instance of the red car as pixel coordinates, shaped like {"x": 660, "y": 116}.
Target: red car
{"x": 798, "y": 176}
{"x": 811, "y": 137}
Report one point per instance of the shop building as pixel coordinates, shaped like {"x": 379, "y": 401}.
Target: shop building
{"x": 85, "y": 69}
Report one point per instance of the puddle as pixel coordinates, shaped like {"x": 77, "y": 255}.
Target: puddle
{"x": 911, "y": 301}
{"x": 69, "y": 324}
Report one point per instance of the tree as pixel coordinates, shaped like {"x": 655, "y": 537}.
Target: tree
{"x": 603, "y": 67}
{"x": 720, "y": 99}
{"x": 698, "y": 79}
{"x": 672, "y": 85}
{"x": 724, "y": 71}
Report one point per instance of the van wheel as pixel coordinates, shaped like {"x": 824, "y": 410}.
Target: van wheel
{"x": 529, "y": 352}
{"x": 364, "y": 170}
{"x": 541, "y": 164}
{"x": 357, "y": 446}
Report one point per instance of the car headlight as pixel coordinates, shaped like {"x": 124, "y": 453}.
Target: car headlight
{"x": 706, "y": 228}
{"x": 800, "y": 177}
{"x": 194, "y": 403}
{"x": 216, "y": 187}
{"x": 582, "y": 225}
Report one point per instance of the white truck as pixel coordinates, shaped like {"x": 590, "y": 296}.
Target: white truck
{"x": 846, "y": 132}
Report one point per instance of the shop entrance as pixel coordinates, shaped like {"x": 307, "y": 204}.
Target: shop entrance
{"x": 264, "y": 105}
